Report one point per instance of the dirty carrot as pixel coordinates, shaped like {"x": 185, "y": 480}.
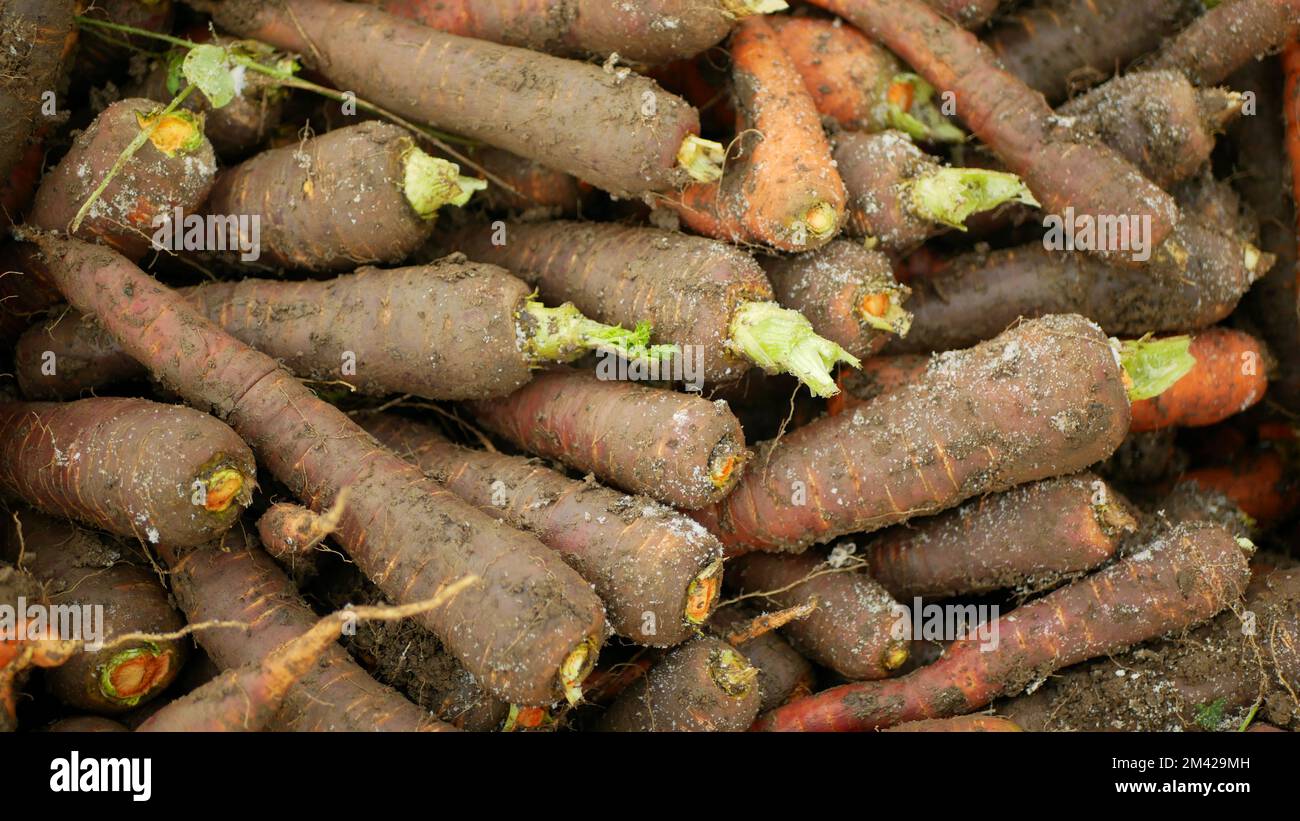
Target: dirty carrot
{"x": 1230, "y": 375}
{"x": 36, "y": 38}
{"x": 783, "y": 674}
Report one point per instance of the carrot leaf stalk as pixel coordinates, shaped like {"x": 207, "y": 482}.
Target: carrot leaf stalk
{"x": 563, "y": 334}
{"x": 910, "y": 109}
{"x": 701, "y": 159}
{"x": 950, "y": 195}
{"x": 744, "y": 8}
{"x": 702, "y": 593}
{"x": 1154, "y": 365}
{"x": 780, "y": 340}
{"x": 432, "y": 182}
{"x": 884, "y": 311}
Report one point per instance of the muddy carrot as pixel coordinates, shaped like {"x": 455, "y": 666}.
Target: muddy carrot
{"x": 36, "y": 37}
{"x": 783, "y": 674}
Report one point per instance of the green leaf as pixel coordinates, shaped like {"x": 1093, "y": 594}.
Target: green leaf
{"x": 1154, "y": 365}
{"x": 175, "y": 62}
{"x": 208, "y": 67}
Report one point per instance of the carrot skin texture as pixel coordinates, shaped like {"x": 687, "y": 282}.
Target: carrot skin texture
{"x": 128, "y": 466}
{"x": 38, "y": 36}
{"x": 1262, "y": 483}
{"x": 1009, "y": 117}
{"x": 1030, "y": 535}
{"x": 680, "y": 694}
{"x": 472, "y": 87}
{"x": 959, "y": 724}
{"x": 880, "y": 375}
{"x": 1206, "y": 56}
{"x": 828, "y": 286}
{"x": 783, "y": 674}
{"x": 874, "y": 168}
{"x": 853, "y": 630}
{"x": 81, "y": 568}
{"x": 687, "y": 288}
{"x": 87, "y": 724}
{"x": 977, "y": 421}
{"x": 978, "y": 294}
{"x": 1056, "y": 46}
{"x": 151, "y": 185}
{"x": 245, "y": 585}
{"x": 640, "y": 556}
{"x": 447, "y": 330}
{"x": 1182, "y": 578}
{"x": 666, "y": 445}
{"x": 969, "y": 13}
{"x": 786, "y": 178}
{"x": 541, "y": 190}
{"x": 1229, "y": 377}
{"x": 97, "y": 55}
{"x": 648, "y": 32}
{"x": 316, "y": 451}
{"x": 341, "y": 206}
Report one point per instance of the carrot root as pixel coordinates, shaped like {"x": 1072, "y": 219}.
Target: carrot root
{"x": 131, "y": 674}
{"x": 910, "y": 109}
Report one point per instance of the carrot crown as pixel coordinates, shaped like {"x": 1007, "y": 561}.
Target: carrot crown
{"x": 701, "y": 159}
{"x": 1152, "y": 366}
{"x": 884, "y": 311}
{"x": 733, "y": 674}
{"x": 909, "y": 107}
{"x": 564, "y": 334}
{"x": 431, "y": 182}
{"x": 949, "y": 195}
{"x": 780, "y": 340}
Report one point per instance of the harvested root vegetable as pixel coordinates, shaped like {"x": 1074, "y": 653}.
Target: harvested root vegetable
{"x": 858, "y": 83}
{"x": 359, "y": 194}
{"x": 960, "y": 724}
{"x": 1043, "y": 399}
{"x": 537, "y": 190}
{"x": 783, "y": 674}
{"x": 36, "y": 38}
{"x": 657, "y": 571}
{"x": 27, "y": 644}
{"x": 657, "y": 31}
{"x": 1206, "y": 56}
{"x": 98, "y": 52}
{"x": 1261, "y": 482}
{"x": 899, "y": 196}
{"x": 855, "y": 627}
{"x": 708, "y": 298}
{"x": 87, "y": 724}
{"x": 82, "y": 570}
{"x": 158, "y": 473}
{"x": 291, "y": 533}
{"x": 705, "y": 685}
{"x": 1181, "y": 579}
{"x": 173, "y": 169}
{"x": 784, "y": 190}
{"x": 847, "y": 293}
{"x": 1230, "y": 375}
{"x": 447, "y": 330}
{"x": 1032, "y": 536}
{"x": 675, "y": 447}
{"x": 644, "y": 140}
{"x": 409, "y": 535}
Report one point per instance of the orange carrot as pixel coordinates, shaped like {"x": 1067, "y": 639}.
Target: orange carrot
{"x": 1261, "y": 483}
{"x": 1291, "y": 117}
{"x": 1229, "y": 376}
{"x": 784, "y": 191}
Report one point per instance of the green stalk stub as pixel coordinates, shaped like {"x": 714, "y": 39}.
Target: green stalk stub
{"x": 175, "y": 132}
{"x": 733, "y": 674}
{"x": 745, "y": 8}
{"x": 1154, "y": 365}
{"x": 780, "y": 340}
{"x": 575, "y": 668}
{"x": 915, "y": 114}
{"x": 949, "y": 195}
{"x": 819, "y": 222}
{"x": 563, "y": 334}
{"x": 702, "y": 593}
{"x": 701, "y": 159}
{"x": 432, "y": 182}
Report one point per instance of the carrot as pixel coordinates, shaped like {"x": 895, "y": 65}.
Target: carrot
{"x": 854, "y": 627}
{"x": 1011, "y": 118}
{"x": 657, "y": 31}
{"x": 881, "y": 374}
{"x": 968, "y": 13}
{"x": 978, "y": 293}
{"x": 859, "y": 84}
{"x": 553, "y": 622}
{"x": 1261, "y": 483}
{"x": 28, "y": 641}
{"x": 97, "y": 55}
{"x": 541, "y": 191}
{"x": 448, "y": 330}
{"x": 708, "y": 298}
{"x": 1144, "y": 459}
{"x": 704, "y": 685}
{"x": 1031, "y": 536}
{"x": 173, "y": 169}
{"x": 18, "y": 189}
{"x": 1181, "y": 579}
{"x": 83, "y": 571}
{"x": 291, "y": 533}
{"x": 129, "y": 466}
{"x": 1045, "y": 398}
{"x": 642, "y": 140}
{"x": 36, "y": 37}
{"x": 87, "y": 724}
{"x": 783, "y": 674}
{"x": 1291, "y": 93}
{"x": 848, "y": 294}
{"x": 244, "y": 586}
{"x": 1206, "y": 56}
{"x": 1060, "y": 46}
{"x": 784, "y": 192}
{"x": 1209, "y": 680}
{"x": 678, "y": 448}
{"x": 361, "y": 194}
{"x": 1156, "y": 120}
{"x": 959, "y": 724}
{"x": 899, "y": 196}
{"x": 25, "y": 291}
{"x": 1230, "y": 375}
{"x": 657, "y": 571}
{"x": 241, "y": 125}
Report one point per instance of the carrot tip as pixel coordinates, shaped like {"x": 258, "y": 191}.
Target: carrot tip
{"x": 432, "y": 182}
{"x": 895, "y": 655}
{"x": 701, "y": 159}
{"x": 702, "y": 593}
{"x": 780, "y": 340}
{"x": 179, "y": 132}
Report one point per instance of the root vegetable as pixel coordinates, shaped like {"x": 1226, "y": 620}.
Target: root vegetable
{"x": 1230, "y": 376}
{"x": 783, "y": 674}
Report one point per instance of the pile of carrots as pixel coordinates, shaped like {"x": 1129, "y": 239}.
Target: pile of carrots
{"x": 410, "y": 365}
